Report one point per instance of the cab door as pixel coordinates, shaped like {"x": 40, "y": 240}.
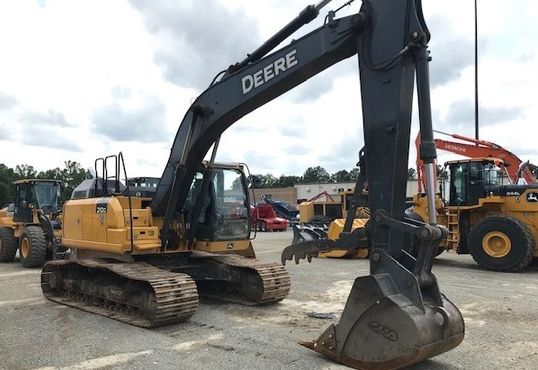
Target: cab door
{"x": 23, "y": 200}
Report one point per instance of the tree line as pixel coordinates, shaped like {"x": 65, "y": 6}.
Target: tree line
{"x": 313, "y": 175}
{"x": 70, "y": 176}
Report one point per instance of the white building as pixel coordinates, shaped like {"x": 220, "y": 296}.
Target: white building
{"x": 309, "y": 191}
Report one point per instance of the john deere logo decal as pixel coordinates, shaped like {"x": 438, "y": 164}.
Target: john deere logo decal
{"x": 532, "y": 197}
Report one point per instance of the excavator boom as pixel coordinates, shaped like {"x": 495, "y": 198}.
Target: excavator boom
{"x": 473, "y": 148}
{"x": 237, "y": 93}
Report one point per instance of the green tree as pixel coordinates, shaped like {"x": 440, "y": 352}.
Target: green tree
{"x": 53, "y": 174}
{"x": 7, "y": 176}
{"x": 411, "y": 174}
{"x": 287, "y": 181}
{"x": 265, "y": 181}
{"x": 24, "y": 171}
{"x": 72, "y": 175}
{"x": 316, "y": 174}
{"x": 341, "y": 176}
{"x": 5, "y": 196}
{"x": 237, "y": 184}
{"x": 353, "y": 174}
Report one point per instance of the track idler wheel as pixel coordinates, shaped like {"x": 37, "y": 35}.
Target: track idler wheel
{"x": 381, "y": 328}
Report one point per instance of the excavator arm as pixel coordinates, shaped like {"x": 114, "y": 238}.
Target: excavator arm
{"x": 396, "y": 316}
{"x": 473, "y": 148}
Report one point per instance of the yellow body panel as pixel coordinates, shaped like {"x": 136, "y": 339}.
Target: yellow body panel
{"x": 307, "y": 212}
{"x": 223, "y": 246}
{"x": 513, "y": 206}
{"x": 335, "y": 228}
{"x": 102, "y": 224}
{"x": 6, "y": 218}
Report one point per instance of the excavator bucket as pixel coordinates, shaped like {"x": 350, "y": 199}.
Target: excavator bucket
{"x": 386, "y": 325}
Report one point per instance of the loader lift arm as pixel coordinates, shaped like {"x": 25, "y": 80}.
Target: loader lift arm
{"x": 396, "y": 316}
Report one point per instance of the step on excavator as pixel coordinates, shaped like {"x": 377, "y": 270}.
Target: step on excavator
{"x": 145, "y": 265}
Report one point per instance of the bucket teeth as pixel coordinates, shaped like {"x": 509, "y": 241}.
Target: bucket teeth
{"x": 381, "y": 329}
{"x": 306, "y": 249}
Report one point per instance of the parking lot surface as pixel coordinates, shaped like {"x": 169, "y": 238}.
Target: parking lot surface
{"x": 500, "y": 312}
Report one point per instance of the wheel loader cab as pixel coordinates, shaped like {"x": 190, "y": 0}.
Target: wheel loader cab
{"x": 223, "y": 213}
{"x": 471, "y": 180}
{"x": 35, "y": 194}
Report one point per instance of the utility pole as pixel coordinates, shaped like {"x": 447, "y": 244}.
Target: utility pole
{"x": 476, "y": 124}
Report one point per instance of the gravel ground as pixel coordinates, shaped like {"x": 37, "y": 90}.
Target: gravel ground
{"x": 500, "y": 311}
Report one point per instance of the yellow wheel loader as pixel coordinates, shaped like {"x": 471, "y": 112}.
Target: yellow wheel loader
{"x": 31, "y": 224}
{"x": 497, "y": 224}
{"x": 343, "y": 218}
{"x": 146, "y": 266}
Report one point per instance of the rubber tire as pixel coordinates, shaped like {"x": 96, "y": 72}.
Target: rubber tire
{"x": 37, "y": 255}
{"x": 523, "y": 245}
{"x": 8, "y": 247}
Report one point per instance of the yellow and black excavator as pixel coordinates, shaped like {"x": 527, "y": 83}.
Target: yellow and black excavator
{"x": 140, "y": 264}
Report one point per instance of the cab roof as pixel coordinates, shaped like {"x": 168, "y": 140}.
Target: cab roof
{"x": 496, "y": 161}
{"x": 32, "y": 181}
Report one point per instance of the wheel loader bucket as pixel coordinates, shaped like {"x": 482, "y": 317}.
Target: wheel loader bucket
{"x": 387, "y": 327}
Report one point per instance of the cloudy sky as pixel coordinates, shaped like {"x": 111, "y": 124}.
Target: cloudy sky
{"x": 82, "y": 79}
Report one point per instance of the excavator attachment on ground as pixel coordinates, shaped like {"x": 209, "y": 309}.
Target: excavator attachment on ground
{"x": 394, "y": 317}
{"x": 343, "y": 237}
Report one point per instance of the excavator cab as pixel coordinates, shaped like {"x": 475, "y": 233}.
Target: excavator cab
{"x": 32, "y": 194}
{"x": 222, "y": 210}
{"x": 472, "y": 179}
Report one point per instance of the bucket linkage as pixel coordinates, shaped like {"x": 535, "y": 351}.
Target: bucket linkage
{"x": 396, "y": 316}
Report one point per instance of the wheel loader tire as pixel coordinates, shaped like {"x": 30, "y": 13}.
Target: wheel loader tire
{"x": 501, "y": 243}
{"x": 8, "y": 245}
{"x": 33, "y": 247}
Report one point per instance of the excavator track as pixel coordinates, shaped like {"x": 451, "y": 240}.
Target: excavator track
{"x": 135, "y": 293}
{"x": 249, "y": 281}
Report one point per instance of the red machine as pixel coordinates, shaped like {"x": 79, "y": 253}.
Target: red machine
{"x": 514, "y": 166}
{"x": 264, "y": 218}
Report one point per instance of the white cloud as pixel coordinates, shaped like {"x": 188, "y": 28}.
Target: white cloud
{"x": 71, "y": 64}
